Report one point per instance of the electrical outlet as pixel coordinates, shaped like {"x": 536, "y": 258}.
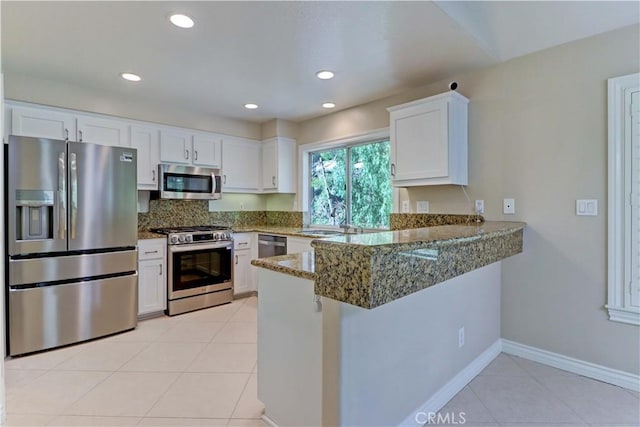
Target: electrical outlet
{"x": 241, "y": 206}
{"x": 461, "y": 337}
{"x": 422, "y": 206}
{"x": 406, "y": 206}
{"x": 479, "y": 206}
{"x": 509, "y": 206}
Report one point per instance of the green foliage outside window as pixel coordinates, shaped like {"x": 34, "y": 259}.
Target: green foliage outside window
{"x": 366, "y": 200}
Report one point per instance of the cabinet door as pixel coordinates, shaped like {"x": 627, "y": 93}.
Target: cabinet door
{"x": 147, "y": 141}
{"x": 175, "y": 146}
{"x": 207, "y": 150}
{"x": 41, "y": 123}
{"x": 242, "y": 272}
{"x": 270, "y": 165}
{"x": 151, "y": 286}
{"x": 420, "y": 141}
{"x": 240, "y": 165}
{"x": 103, "y": 131}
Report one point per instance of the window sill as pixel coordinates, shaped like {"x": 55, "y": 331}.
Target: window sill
{"x": 624, "y": 315}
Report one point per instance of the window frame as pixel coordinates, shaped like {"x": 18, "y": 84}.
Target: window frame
{"x": 619, "y": 255}
{"x": 304, "y": 153}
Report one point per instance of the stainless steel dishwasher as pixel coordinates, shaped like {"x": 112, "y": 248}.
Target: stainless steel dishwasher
{"x": 269, "y": 245}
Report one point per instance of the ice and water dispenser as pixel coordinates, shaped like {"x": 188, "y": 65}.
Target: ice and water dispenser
{"x": 34, "y": 214}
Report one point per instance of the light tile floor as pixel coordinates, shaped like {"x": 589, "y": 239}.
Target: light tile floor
{"x": 515, "y": 392}
{"x": 195, "y": 369}
{"x": 199, "y": 369}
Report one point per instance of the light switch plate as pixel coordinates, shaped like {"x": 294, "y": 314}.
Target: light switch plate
{"x": 587, "y": 207}
{"x": 509, "y": 206}
{"x": 479, "y": 206}
{"x": 406, "y": 207}
{"x": 422, "y": 206}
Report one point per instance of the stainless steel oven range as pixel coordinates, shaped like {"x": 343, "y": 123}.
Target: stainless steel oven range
{"x": 200, "y": 268}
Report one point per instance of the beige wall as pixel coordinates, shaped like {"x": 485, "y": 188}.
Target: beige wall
{"x": 537, "y": 133}
{"x": 47, "y": 92}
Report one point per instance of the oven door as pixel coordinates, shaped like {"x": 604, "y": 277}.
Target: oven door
{"x": 199, "y": 268}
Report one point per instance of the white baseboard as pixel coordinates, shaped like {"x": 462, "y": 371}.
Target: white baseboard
{"x": 268, "y": 421}
{"x": 453, "y": 387}
{"x": 577, "y": 366}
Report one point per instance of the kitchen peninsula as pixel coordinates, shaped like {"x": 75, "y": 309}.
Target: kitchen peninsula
{"x": 376, "y": 328}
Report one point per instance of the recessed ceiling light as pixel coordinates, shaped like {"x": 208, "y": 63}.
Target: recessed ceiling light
{"x": 182, "y": 21}
{"x": 250, "y": 106}
{"x": 131, "y": 77}
{"x": 328, "y": 105}
{"x": 324, "y": 75}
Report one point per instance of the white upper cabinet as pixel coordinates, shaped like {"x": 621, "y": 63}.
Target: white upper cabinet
{"x": 42, "y": 123}
{"x": 279, "y": 165}
{"x": 146, "y": 139}
{"x": 175, "y": 146}
{"x": 241, "y": 165}
{"x": 207, "y": 149}
{"x": 190, "y": 148}
{"x": 429, "y": 141}
{"x": 98, "y": 130}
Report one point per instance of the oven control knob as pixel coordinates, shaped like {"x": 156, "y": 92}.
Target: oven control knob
{"x": 227, "y": 236}
{"x": 174, "y": 239}
{"x": 181, "y": 239}
{"x": 189, "y": 238}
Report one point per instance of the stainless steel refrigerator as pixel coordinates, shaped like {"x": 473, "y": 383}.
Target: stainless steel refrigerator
{"x": 71, "y": 242}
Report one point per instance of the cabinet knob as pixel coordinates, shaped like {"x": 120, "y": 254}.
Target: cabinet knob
{"x": 273, "y": 180}
{"x": 186, "y": 154}
{"x": 160, "y": 265}
{"x": 224, "y": 179}
{"x": 153, "y": 175}
{"x": 236, "y": 259}
{"x": 79, "y": 136}
{"x": 393, "y": 169}
{"x": 195, "y": 154}
{"x": 66, "y": 134}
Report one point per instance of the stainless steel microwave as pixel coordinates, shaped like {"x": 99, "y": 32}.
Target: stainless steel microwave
{"x": 189, "y": 182}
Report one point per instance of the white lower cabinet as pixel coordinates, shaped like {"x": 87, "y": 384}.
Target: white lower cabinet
{"x": 299, "y": 244}
{"x": 152, "y": 278}
{"x": 244, "y": 274}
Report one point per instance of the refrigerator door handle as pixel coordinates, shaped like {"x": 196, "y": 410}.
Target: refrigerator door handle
{"x": 74, "y": 193}
{"x": 62, "y": 196}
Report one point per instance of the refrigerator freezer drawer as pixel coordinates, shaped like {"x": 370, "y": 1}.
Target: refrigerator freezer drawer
{"x": 42, "y": 270}
{"x": 52, "y": 316}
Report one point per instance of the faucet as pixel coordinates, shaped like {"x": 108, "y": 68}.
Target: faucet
{"x": 345, "y": 228}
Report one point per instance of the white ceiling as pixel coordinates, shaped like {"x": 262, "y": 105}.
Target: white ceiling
{"x": 268, "y": 52}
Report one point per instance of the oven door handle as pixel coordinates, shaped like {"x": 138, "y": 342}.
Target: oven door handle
{"x": 200, "y": 246}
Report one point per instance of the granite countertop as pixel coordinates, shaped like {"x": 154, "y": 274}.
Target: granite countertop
{"x": 300, "y": 264}
{"x": 369, "y": 270}
{"x": 402, "y": 240}
{"x": 285, "y": 231}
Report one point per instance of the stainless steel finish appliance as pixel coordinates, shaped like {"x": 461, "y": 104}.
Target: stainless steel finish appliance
{"x": 200, "y": 267}
{"x": 269, "y": 245}
{"x": 71, "y": 242}
{"x": 187, "y": 182}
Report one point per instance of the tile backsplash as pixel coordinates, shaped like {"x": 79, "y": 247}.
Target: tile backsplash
{"x": 402, "y": 221}
{"x": 174, "y": 213}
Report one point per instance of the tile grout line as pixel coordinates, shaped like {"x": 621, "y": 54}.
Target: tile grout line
{"x": 557, "y": 398}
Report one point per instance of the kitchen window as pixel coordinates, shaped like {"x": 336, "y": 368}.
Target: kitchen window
{"x": 624, "y": 200}
{"x": 351, "y": 184}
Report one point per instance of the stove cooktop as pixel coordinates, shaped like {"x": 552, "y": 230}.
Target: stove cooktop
{"x": 195, "y": 234}
{"x": 190, "y": 229}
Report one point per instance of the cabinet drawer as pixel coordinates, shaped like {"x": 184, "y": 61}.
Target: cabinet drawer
{"x": 242, "y": 241}
{"x": 151, "y": 248}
